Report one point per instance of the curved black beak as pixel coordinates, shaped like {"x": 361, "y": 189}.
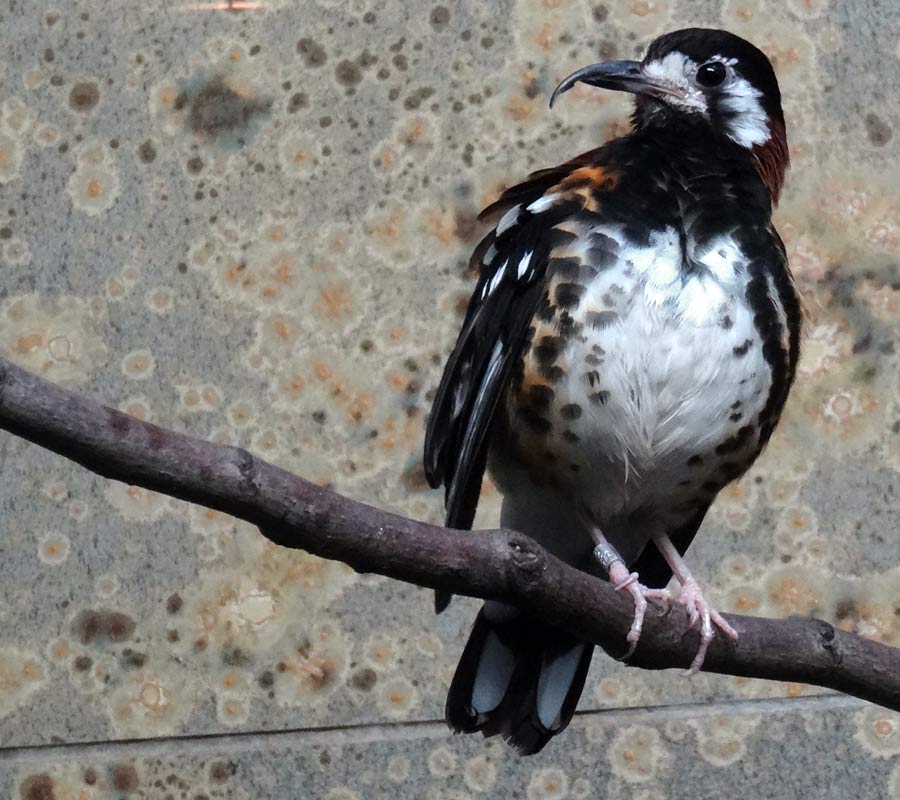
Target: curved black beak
{"x": 622, "y": 76}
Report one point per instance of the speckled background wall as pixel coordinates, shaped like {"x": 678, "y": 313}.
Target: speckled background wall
{"x": 253, "y": 226}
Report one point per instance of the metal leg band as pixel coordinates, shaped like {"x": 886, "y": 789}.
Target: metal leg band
{"x": 606, "y": 555}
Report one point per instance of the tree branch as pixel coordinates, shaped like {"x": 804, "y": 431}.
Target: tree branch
{"x": 498, "y": 564}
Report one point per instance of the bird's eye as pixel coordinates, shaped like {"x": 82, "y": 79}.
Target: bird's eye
{"x": 711, "y": 74}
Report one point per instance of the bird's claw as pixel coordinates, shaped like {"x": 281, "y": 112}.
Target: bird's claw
{"x": 700, "y": 611}
{"x": 622, "y": 579}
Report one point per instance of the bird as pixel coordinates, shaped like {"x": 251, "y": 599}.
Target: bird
{"x": 626, "y": 353}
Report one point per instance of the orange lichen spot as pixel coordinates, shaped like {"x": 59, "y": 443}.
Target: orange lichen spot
{"x": 60, "y": 650}
{"x": 95, "y": 188}
{"x": 744, "y": 13}
{"x": 735, "y": 491}
{"x": 745, "y": 602}
{"x": 440, "y": 226}
{"x": 230, "y": 680}
{"x": 323, "y": 372}
{"x": 152, "y": 696}
{"x": 211, "y": 396}
{"x": 334, "y": 301}
{"x": 519, "y": 107}
{"x": 397, "y": 380}
{"x": 642, "y": 8}
{"x": 361, "y": 406}
{"x": 234, "y": 54}
{"x": 29, "y": 343}
{"x": 167, "y": 96}
{"x": 398, "y": 697}
{"x": 280, "y": 327}
{"x": 191, "y": 397}
{"x": 208, "y": 617}
{"x": 395, "y": 334}
{"x": 544, "y": 38}
{"x": 134, "y": 491}
{"x": 283, "y": 271}
{"x": 233, "y": 272}
{"x": 51, "y": 548}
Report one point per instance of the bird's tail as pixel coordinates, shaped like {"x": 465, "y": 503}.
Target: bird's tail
{"x": 517, "y": 677}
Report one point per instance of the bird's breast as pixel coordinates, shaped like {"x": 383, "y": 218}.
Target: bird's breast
{"x": 644, "y": 379}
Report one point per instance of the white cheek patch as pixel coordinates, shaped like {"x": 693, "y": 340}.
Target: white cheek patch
{"x": 745, "y": 120}
{"x": 738, "y": 101}
{"x": 673, "y": 71}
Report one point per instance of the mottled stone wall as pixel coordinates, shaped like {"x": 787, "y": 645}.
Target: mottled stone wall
{"x": 254, "y": 226}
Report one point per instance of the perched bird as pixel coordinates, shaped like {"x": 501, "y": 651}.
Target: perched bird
{"x": 626, "y": 354}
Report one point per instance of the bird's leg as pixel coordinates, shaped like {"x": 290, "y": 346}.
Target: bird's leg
{"x": 621, "y": 578}
{"x": 692, "y": 597}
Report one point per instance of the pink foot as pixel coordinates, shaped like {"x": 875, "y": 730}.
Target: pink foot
{"x": 621, "y": 578}
{"x": 698, "y": 609}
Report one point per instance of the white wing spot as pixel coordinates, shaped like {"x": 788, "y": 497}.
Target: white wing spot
{"x": 542, "y": 203}
{"x": 524, "y": 264}
{"x": 495, "y": 281}
{"x": 508, "y": 220}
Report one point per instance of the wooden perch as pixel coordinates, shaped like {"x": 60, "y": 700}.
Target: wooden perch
{"x": 496, "y": 564}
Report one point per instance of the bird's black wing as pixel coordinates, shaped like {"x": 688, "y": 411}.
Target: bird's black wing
{"x": 511, "y": 262}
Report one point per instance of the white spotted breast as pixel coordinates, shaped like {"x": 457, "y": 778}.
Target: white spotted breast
{"x": 645, "y": 378}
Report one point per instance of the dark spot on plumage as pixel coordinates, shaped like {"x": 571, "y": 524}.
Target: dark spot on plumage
{"x": 594, "y": 361}
{"x": 574, "y": 467}
{"x": 549, "y": 456}
{"x": 736, "y": 417}
{"x": 742, "y": 349}
{"x": 599, "y": 398}
{"x": 598, "y": 350}
{"x": 729, "y": 470}
{"x": 540, "y": 397}
{"x": 548, "y": 349}
{"x": 551, "y": 373}
{"x": 736, "y": 442}
{"x": 570, "y": 411}
{"x": 726, "y": 323}
{"x": 568, "y": 327}
{"x": 566, "y": 268}
{"x": 695, "y": 461}
{"x": 569, "y": 436}
{"x": 534, "y": 421}
{"x": 568, "y": 295}
{"x": 599, "y": 320}
{"x": 557, "y": 237}
{"x": 709, "y": 486}
{"x": 592, "y": 377}
{"x": 686, "y": 482}
{"x": 735, "y": 405}
{"x": 546, "y": 312}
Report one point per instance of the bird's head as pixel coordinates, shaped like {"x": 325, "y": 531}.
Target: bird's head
{"x": 706, "y": 77}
